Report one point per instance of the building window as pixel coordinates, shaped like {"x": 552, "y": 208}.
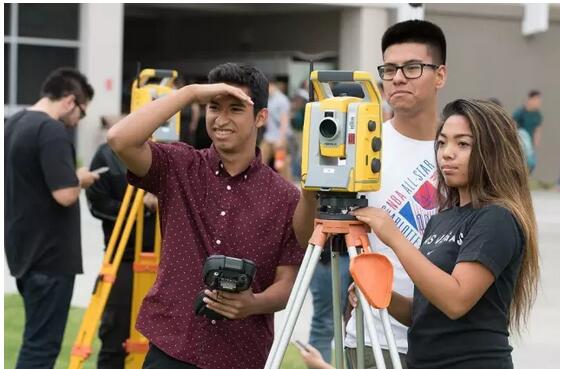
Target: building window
{"x": 37, "y": 39}
{"x": 31, "y": 73}
{"x": 6, "y": 70}
{"x": 7, "y": 9}
{"x": 58, "y": 21}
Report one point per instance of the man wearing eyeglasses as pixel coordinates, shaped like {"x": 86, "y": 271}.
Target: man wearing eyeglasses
{"x": 414, "y": 70}
{"x": 42, "y": 237}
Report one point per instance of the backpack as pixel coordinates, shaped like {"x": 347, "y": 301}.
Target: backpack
{"x": 528, "y": 148}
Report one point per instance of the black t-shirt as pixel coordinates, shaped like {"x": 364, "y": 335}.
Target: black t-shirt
{"x": 479, "y": 339}
{"x": 105, "y": 198}
{"x": 40, "y": 235}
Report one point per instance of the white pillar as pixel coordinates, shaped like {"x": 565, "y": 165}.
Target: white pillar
{"x": 409, "y": 12}
{"x": 100, "y": 60}
{"x": 536, "y": 19}
{"x": 361, "y": 36}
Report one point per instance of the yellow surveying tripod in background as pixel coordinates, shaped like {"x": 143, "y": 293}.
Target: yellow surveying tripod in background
{"x": 150, "y": 85}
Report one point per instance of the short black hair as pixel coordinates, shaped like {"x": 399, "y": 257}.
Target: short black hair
{"x": 418, "y": 31}
{"x": 67, "y": 81}
{"x": 243, "y": 75}
{"x": 534, "y": 93}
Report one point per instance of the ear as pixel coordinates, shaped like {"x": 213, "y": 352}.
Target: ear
{"x": 67, "y": 103}
{"x": 261, "y": 118}
{"x": 69, "y": 99}
{"x": 440, "y": 76}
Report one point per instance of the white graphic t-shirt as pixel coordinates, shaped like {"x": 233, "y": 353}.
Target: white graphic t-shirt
{"x": 408, "y": 194}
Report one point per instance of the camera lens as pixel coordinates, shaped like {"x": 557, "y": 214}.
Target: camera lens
{"x": 328, "y": 128}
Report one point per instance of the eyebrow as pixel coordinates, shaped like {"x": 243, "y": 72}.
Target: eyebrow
{"x": 458, "y": 135}
{"x": 406, "y": 62}
{"x": 235, "y": 103}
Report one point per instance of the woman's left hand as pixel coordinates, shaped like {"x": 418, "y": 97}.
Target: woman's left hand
{"x": 380, "y": 222}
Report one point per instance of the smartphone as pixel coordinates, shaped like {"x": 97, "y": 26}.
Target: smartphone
{"x": 101, "y": 170}
{"x": 301, "y": 344}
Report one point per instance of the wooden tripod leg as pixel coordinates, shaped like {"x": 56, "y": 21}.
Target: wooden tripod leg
{"x": 82, "y": 346}
{"x": 145, "y": 268}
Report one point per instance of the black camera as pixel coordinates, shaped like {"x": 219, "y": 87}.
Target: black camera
{"x": 224, "y": 273}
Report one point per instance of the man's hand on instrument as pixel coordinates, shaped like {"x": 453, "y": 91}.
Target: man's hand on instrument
{"x": 232, "y": 305}
{"x": 381, "y": 223}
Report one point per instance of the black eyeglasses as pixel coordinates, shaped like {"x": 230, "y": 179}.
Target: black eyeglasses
{"x": 83, "y": 112}
{"x": 387, "y": 72}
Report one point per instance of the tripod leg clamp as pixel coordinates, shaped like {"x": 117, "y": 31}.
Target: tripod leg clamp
{"x": 81, "y": 351}
{"x": 132, "y": 346}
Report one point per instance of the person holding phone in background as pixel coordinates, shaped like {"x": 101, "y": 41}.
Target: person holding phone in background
{"x": 42, "y": 238}
{"x": 104, "y": 199}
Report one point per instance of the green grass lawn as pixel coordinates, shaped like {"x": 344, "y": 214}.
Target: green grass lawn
{"x": 14, "y": 325}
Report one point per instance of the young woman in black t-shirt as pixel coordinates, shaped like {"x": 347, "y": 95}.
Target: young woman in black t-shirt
{"x": 476, "y": 272}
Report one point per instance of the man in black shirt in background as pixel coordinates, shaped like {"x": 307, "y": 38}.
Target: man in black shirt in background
{"x": 105, "y": 198}
{"x": 42, "y": 237}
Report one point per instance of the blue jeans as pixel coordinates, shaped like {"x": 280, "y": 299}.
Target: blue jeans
{"x": 47, "y": 299}
{"x": 321, "y": 333}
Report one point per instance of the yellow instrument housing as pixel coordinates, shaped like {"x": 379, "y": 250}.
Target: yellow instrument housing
{"x": 351, "y": 162}
{"x": 150, "y": 85}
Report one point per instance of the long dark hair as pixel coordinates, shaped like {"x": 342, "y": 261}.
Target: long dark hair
{"x": 498, "y": 174}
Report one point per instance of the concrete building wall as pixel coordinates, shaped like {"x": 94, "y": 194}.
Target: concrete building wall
{"x": 488, "y": 56}
{"x": 361, "y": 32}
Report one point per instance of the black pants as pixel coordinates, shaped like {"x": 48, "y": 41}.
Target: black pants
{"x": 157, "y": 359}
{"x": 47, "y": 299}
{"x": 115, "y": 323}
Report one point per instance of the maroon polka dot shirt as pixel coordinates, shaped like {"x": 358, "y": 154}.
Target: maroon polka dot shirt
{"x": 204, "y": 211}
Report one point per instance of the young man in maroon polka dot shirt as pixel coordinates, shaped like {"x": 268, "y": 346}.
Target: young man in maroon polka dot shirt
{"x": 220, "y": 200}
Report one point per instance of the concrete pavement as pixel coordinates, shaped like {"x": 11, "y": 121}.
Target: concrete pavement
{"x": 538, "y": 347}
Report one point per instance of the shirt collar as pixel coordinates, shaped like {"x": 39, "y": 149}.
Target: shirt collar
{"x": 216, "y": 164}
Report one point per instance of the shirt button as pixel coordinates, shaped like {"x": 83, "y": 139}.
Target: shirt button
{"x": 221, "y": 165}
{"x": 217, "y": 173}
{"x": 228, "y": 187}
{"x": 213, "y": 322}
{"x": 245, "y": 176}
{"x": 223, "y": 213}
{"x": 218, "y": 242}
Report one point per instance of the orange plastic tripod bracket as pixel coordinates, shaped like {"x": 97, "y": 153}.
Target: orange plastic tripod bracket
{"x": 318, "y": 237}
{"x": 324, "y": 228}
{"x": 372, "y": 273}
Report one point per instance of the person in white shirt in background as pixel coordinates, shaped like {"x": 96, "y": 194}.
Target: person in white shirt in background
{"x": 414, "y": 54}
